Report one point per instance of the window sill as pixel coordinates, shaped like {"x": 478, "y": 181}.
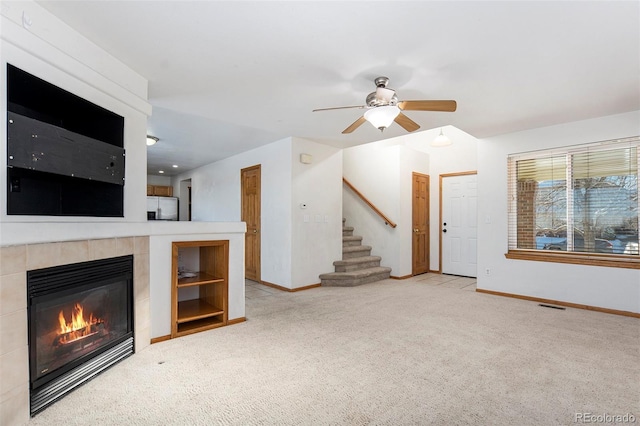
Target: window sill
{"x": 593, "y": 259}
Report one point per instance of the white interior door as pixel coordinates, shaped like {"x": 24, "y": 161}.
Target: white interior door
{"x": 459, "y": 225}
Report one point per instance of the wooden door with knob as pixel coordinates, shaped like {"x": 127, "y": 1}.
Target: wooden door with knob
{"x": 420, "y": 222}
{"x": 251, "y": 193}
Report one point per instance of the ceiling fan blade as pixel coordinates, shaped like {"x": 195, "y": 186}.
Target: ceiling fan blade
{"x": 354, "y": 126}
{"x": 344, "y": 107}
{"x": 408, "y": 124}
{"x": 446, "y": 106}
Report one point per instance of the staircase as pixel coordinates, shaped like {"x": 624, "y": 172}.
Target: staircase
{"x": 357, "y": 265}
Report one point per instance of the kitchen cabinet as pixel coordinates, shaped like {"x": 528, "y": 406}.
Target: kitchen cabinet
{"x": 160, "y": 190}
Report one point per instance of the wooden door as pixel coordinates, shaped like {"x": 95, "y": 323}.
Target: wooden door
{"x": 459, "y": 226}
{"x": 420, "y": 228}
{"x": 250, "y": 182}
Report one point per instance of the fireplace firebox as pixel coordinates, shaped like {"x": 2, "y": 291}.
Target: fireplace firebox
{"x": 80, "y": 323}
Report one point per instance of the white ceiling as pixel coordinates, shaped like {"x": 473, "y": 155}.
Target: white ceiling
{"x": 229, "y": 76}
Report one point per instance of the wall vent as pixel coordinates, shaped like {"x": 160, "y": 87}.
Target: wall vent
{"x": 544, "y": 305}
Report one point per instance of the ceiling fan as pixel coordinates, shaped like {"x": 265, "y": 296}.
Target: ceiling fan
{"x": 383, "y": 108}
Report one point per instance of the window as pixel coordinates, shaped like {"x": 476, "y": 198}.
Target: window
{"x": 576, "y": 204}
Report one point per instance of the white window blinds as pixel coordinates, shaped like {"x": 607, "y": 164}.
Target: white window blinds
{"x": 579, "y": 199}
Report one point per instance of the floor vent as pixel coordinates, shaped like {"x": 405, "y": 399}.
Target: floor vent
{"x": 551, "y": 306}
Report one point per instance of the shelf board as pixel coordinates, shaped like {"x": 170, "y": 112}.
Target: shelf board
{"x": 195, "y": 309}
{"x": 199, "y": 325}
{"x": 199, "y": 279}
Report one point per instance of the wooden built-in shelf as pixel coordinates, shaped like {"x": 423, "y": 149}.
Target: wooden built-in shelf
{"x": 195, "y": 309}
{"x": 199, "y": 325}
{"x": 199, "y": 279}
{"x": 200, "y": 302}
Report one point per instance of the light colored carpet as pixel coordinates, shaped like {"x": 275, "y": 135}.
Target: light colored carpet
{"x": 428, "y": 350}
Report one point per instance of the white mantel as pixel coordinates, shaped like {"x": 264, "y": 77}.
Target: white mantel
{"x": 13, "y": 233}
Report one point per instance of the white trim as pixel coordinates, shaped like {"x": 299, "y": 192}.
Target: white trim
{"x": 578, "y": 148}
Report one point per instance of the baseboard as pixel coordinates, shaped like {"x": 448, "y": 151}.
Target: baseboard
{"x": 307, "y": 287}
{"x": 560, "y": 303}
{"x": 404, "y": 277}
{"x": 168, "y": 336}
{"x": 290, "y": 290}
{"x": 435, "y": 271}
{"x": 160, "y": 339}
{"x": 276, "y": 286}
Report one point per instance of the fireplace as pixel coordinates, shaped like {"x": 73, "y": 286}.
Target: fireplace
{"x": 80, "y": 323}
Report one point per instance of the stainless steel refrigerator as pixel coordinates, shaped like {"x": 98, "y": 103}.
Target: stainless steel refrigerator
{"x": 162, "y": 208}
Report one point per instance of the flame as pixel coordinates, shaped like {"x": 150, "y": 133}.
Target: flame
{"x": 78, "y": 326}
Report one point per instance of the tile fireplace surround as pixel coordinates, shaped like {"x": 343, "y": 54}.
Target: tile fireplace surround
{"x": 15, "y": 260}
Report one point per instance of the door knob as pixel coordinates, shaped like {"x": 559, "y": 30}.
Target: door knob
{"x": 416, "y": 230}
{"x": 255, "y": 231}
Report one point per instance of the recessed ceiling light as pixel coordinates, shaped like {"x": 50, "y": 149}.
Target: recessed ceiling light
{"x": 175, "y": 166}
{"x": 160, "y": 171}
{"x": 151, "y": 140}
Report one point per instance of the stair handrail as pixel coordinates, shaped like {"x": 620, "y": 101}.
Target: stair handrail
{"x": 387, "y": 221}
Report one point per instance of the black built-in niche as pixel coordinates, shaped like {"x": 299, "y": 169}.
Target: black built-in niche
{"x": 65, "y": 155}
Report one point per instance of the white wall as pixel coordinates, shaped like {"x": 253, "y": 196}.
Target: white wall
{"x": 215, "y": 196}
{"x": 612, "y": 288}
{"x": 163, "y": 234}
{"x": 460, "y": 156}
{"x": 54, "y": 52}
{"x": 381, "y": 171}
{"x": 293, "y": 252}
{"x": 373, "y": 170}
{"x": 158, "y": 180}
{"x": 316, "y": 242}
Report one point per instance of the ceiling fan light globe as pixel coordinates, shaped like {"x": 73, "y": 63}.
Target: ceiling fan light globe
{"x": 381, "y": 117}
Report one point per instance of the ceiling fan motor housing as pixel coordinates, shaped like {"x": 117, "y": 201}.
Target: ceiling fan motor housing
{"x": 382, "y": 96}
{"x": 374, "y": 100}
{"x": 381, "y": 81}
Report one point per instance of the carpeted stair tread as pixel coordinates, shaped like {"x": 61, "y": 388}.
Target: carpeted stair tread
{"x": 360, "y": 273}
{"x": 351, "y": 240}
{"x": 349, "y": 252}
{"x": 347, "y": 231}
{"x": 356, "y": 263}
{"x": 353, "y": 260}
{"x": 352, "y": 249}
{"x": 354, "y": 278}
